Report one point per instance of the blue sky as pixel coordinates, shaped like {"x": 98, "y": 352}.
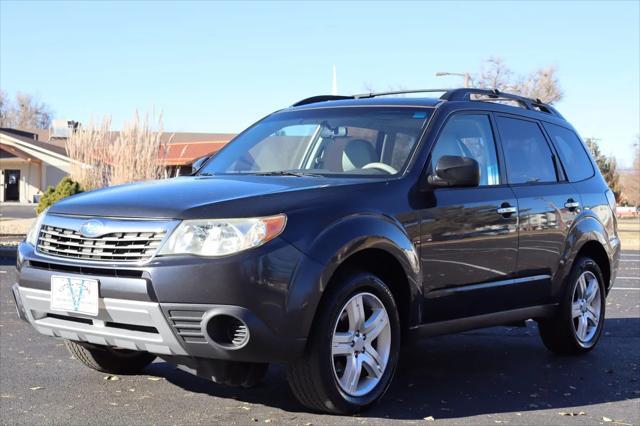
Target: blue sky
{"x": 218, "y": 67}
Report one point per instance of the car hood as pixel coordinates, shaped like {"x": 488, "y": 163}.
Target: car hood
{"x": 193, "y": 196}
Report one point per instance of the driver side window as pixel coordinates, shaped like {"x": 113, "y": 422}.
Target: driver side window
{"x": 470, "y": 135}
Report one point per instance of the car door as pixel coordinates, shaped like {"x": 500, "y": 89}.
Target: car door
{"x": 547, "y": 203}
{"x": 468, "y": 235}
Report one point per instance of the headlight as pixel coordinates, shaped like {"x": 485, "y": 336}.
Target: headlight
{"x": 220, "y": 237}
{"x": 32, "y": 235}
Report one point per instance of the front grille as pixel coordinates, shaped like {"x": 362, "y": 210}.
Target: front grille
{"x": 187, "y": 325}
{"x": 86, "y": 270}
{"x": 115, "y": 247}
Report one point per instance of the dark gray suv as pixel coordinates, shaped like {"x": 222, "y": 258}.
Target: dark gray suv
{"x": 328, "y": 233}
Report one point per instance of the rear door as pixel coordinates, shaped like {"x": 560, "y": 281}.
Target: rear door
{"x": 547, "y": 203}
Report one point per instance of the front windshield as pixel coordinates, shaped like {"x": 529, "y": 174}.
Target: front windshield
{"x": 369, "y": 141}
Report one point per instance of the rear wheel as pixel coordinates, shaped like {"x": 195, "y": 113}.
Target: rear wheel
{"x": 578, "y": 325}
{"x": 353, "y": 351}
{"x": 110, "y": 360}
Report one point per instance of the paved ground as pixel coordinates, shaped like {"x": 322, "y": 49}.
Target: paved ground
{"x": 17, "y": 211}
{"x": 493, "y": 376}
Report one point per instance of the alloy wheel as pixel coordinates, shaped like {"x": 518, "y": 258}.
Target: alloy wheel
{"x": 586, "y": 307}
{"x": 361, "y": 344}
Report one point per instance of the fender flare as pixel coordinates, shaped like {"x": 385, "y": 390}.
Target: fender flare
{"x": 339, "y": 241}
{"x": 585, "y": 229}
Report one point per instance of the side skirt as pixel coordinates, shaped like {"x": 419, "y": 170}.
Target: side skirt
{"x": 482, "y": 321}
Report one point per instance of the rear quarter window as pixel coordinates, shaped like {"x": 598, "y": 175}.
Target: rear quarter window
{"x": 575, "y": 159}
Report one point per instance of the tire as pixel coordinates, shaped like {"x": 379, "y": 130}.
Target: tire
{"x": 573, "y": 331}
{"x": 110, "y": 360}
{"x": 320, "y": 378}
{"x": 239, "y": 374}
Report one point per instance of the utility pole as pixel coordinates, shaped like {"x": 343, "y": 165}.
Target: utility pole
{"x": 466, "y": 75}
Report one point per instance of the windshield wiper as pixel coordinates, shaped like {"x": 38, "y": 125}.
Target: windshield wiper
{"x": 287, "y": 173}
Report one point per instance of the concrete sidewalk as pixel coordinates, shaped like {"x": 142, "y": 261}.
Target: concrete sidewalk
{"x": 15, "y": 221}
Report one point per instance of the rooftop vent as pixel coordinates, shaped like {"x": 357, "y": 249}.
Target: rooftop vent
{"x": 62, "y": 129}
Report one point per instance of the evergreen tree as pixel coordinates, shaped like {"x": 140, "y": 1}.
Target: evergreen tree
{"x": 608, "y": 167}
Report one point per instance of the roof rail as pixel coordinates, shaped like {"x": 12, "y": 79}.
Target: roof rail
{"x": 321, "y": 98}
{"x": 448, "y": 95}
{"x": 398, "y": 92}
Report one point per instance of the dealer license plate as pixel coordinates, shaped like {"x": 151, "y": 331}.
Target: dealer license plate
{"x": 72, "y": 294}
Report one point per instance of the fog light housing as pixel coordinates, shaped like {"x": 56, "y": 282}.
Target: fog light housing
{"x": 228, "y": 331}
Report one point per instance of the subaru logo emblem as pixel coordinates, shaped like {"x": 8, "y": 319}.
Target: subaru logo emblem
{"x": 92, "y": 228}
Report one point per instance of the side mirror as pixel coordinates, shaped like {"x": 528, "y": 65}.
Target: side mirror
{"x": 196, "y": 165}
{"x": 453, "y": 170}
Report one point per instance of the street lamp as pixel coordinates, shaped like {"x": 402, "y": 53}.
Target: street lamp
{"x": 466, "y": 75}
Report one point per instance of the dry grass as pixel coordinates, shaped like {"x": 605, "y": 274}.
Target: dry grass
{"x": 104, "y": 158}
{"x": 17, "y": 227}
{"x": 629, "y": 232}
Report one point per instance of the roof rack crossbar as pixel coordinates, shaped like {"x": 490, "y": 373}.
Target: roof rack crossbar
{"x": 495, "y": 94}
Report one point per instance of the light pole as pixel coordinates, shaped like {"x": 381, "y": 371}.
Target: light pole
{"x": 466, "y": 75}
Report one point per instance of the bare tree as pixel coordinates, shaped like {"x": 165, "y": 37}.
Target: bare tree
{"x": 494, "y": 74}
{"x": 104, "y": 158}
{"x": 24, "y": 112}
{"x": 541, "y": 84}
{"x": 4, "y": 109}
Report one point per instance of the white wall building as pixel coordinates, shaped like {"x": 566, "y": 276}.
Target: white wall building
{"x": 28, "y": 165}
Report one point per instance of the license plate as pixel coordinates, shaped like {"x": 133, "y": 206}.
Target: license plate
{"x": 71, "y": 294}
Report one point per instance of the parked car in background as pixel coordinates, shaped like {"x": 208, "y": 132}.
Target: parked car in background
{"x": 328, "y": 234}
{"x": 628, "y": 211}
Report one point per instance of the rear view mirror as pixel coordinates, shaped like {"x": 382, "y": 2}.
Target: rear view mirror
{"x": 328, "y": 132}
{"x": 453, "y": 170}
{"x": 196, "y": 165}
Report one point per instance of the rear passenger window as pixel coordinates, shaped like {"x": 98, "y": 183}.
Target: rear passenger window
{"x": 527, "y": 155}
{"x": 575, "y": 159}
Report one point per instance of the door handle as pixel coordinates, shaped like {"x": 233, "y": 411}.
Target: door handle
{"x": 506, "y": 209}
{"x": 571, "y": 204}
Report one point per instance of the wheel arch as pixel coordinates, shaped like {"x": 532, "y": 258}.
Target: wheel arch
{"x": 587, "y": 237}
{"x": 385, "y": 266}
{"x": 375, "y": 244}
{"x": 595, "y": 251}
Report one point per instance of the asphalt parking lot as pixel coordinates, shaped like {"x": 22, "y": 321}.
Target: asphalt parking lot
{"x": 495, "y": 376}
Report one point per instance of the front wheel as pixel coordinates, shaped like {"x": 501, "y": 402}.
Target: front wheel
{"x": 109, "y": 360}
{"x": 353, "y": 350}
{"x": 577, "y": 326}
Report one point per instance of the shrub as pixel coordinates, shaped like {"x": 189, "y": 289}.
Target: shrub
{"x": 65, "y": 188}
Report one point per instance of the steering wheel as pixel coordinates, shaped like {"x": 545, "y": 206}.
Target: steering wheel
{"x": 381, "y": 166}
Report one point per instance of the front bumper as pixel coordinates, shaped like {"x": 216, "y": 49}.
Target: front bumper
{"x": 166, "y": 307}
{"x": 127, "y": 324}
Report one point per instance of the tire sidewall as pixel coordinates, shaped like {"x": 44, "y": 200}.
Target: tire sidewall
{"x": 584, "y": 265}
{"x": 351, "y": 285}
